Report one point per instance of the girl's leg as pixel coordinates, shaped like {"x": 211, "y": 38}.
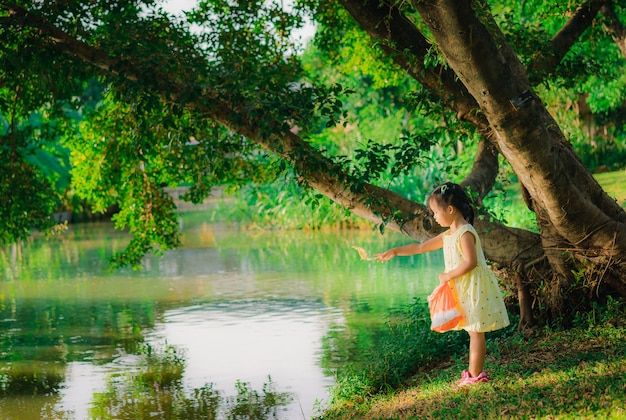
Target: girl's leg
{"x": 477, "y": 352}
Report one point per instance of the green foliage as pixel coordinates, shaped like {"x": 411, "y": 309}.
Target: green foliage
{"x": 132, "y": 180}
{"x": 377, "y": 159}
{"x": 138, "y": 122}
{"x": 390, "y": 134}
{"x": 38, "y": 96}
{"x": 587, "y": 91}
{"x": 136, "y": 141}
{"x": 612, "y": 312}
{"x": 29, "y": 126}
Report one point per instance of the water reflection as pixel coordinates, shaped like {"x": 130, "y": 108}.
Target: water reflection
{"x": 253, "y": 339}
{"x": 240, "y": 306}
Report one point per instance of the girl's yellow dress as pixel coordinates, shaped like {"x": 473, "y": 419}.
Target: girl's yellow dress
{"x": 478, "y": 291}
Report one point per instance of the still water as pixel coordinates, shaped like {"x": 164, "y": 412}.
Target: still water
{"x": 235, "y": 316}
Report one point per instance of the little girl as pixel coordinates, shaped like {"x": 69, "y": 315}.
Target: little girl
{"x": 476, "y": 286}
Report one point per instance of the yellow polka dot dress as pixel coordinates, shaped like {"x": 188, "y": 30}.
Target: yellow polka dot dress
{"x": 478, "y": 291}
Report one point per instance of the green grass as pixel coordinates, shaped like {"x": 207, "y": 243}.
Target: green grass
{"x": 614, "y": 183}
{"x": 578, "y": 373}
{"x": 509, "y": 207}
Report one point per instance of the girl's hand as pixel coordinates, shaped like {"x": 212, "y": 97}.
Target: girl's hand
{"x": 444, "y": 278}
{"x": 385, "y": 256}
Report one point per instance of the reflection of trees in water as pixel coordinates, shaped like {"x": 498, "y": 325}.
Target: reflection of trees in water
{"x": 130, "y": 400}
{"x": 67, "y": 255}
{"x": 155, "y": 389}
{"x": 31, "y": 390}
{"x": 152, "y": 387}
{"x": 40, "y": 337}
{"x": 59, "y": 305}
{"x": 61, "y": 331}
{"x": 28, "y": 378}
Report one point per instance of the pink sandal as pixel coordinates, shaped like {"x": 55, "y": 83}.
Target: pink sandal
{"x": 467, "y": 379}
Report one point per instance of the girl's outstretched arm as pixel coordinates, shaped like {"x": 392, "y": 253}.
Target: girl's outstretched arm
{"x": 411, "y": 249}
{"x": 470, "y": 259}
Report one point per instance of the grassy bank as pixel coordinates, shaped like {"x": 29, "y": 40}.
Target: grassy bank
{"x": 614, "y": 184}
{"x": 574, "y": 374}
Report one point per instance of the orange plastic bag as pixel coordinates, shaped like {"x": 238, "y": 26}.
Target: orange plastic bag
{"x": 445, "y": 311}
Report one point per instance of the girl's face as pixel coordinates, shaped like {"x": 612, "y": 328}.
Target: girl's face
{"x": 441, "y": 212}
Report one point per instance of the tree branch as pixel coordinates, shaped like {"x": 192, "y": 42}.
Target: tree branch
{"x": 564, "y": 39}
{"x": 21, "y": 16}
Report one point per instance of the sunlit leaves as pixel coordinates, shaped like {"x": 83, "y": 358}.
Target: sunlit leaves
{"x": 587, "y": 89}
{"x": 376, "y": 159}
{"x": 250, "y": 53}
{"x": 330, "y": 105}
{"x": 149, "y": 213}
{"x": 606, "y": 96}
{"x": 125, "y": 153}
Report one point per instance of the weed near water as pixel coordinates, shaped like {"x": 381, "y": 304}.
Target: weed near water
{"x": 402, "y": 348}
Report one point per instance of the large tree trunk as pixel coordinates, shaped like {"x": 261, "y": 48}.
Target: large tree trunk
{"x": 579, "y": 222}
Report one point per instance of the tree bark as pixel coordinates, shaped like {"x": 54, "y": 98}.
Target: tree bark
{"x": 400, "y": 39}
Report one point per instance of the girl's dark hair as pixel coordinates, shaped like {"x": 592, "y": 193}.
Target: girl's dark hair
{"x": 451, "y": 194}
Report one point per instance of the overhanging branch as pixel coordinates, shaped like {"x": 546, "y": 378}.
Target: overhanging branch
{"x": 564, "y": 39}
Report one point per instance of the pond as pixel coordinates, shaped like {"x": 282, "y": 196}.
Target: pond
{"x": 241, "y": 321}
